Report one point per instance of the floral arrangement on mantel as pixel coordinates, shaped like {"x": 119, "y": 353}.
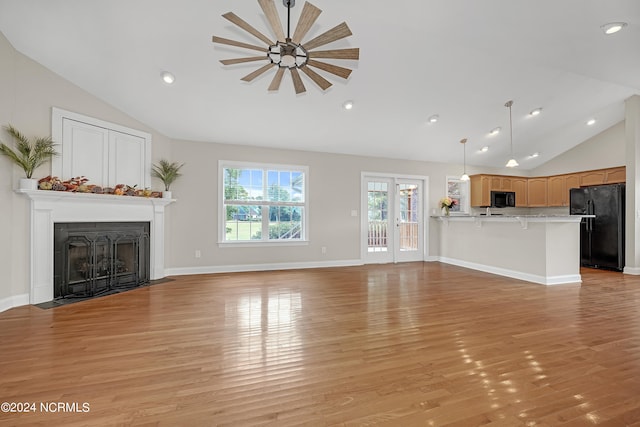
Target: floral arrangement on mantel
{"x": 79, "y": 185}
{"x": 447, "y": 203}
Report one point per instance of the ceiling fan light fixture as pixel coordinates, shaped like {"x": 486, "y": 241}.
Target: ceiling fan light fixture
{"x": 612, "y": 27}
{"x": 167, "y": 77}
{"x": 289, "y": 52}
{"x": 288, "y": 61}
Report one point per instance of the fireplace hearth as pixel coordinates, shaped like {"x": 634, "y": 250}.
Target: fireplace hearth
{"x": 92, "y": 259}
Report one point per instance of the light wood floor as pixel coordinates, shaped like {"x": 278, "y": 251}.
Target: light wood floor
{"x": 418, "y": 344}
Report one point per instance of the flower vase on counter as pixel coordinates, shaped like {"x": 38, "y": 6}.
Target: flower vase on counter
{"x": 446, "y": 203}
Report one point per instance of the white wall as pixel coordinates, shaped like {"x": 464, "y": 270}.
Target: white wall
{"x": 606, "y": 149}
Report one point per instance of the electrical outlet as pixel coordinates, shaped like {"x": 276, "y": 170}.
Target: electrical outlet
{"x": 198, "y": 253}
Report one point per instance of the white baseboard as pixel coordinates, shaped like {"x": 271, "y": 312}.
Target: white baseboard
{"x": 543, "y": 280}
{"x": 13, "y": 301}
{"x": 184, "y": 271}
{"x": 635, "y": 271}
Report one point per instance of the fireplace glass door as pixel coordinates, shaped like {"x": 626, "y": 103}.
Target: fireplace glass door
{"x": 95, "y": 258}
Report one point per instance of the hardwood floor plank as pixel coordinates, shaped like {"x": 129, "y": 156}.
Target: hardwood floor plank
{"x": 378, "y": 345}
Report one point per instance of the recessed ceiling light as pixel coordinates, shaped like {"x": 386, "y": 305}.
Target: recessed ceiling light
{"x": 591, "y": 122}
{"x": 495, "y": 131}
{"x": 535, "y": 112}
{"x": 167, "y": 77}
{"x": 433, "y": 118}
{"x": 534, "y": 155}
{"x": 613, "y": 27}
{"x": 348, "y": 105}
{"x": 484, "y": 149}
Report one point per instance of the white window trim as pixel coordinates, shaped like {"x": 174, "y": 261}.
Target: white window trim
{"x": 222, "y": 164}
{"x": 465, "y": 208}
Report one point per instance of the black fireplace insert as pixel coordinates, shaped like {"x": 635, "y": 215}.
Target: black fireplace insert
{"x": 92, "y": 259}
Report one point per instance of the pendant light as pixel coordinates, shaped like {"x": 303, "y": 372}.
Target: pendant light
{"x": 512, "y": 161}
{"x": 464, "y": 176}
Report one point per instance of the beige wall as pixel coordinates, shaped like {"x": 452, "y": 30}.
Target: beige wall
{"x": 606, "y": 149}
{"x": 7, "y": 99}
{"x": 28, "y": 92}
{"x": 334, "y": 191}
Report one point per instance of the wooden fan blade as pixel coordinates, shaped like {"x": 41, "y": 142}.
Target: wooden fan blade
{"x": 249, "y": 77}
{"x": 307, "y": 18}
{"x": 277, "y": 79}
{"x": 221, "y": 40}
{"x": 353, "y": 53}
{"x": 336, "y": 33}
{"x": 330, "y": 68}
{"x": 269, "y": 9}
{"x": 242, "y": 60}
{"x": 317, "y": 78}
{"x": 246, "y": 26}
{"x": 297, "y": 81}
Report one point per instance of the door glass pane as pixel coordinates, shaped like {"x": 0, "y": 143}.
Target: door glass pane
{"x": 408, "y": 216}
{"x": 378, "y": 215}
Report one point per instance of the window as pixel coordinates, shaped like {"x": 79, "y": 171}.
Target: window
{"x": 263, "y": 203}
{"x": 459, "y": 191}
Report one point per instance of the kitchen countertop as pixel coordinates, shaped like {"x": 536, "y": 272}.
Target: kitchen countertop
{"x": 569, "y": 218}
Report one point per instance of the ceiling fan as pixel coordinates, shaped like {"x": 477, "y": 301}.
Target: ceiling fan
{"x": 289, "y": 52}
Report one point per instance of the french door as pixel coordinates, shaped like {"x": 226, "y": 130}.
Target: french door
{"x": 393, "y": 226}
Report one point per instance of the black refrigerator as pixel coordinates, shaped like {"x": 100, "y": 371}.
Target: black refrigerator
{"x": 602, "y": 237}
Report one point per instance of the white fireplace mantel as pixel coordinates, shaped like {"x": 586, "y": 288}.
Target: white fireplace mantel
{"x": 50, "y": 207}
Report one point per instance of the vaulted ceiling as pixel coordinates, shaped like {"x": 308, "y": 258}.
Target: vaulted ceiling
{"x": 458, "y": 59}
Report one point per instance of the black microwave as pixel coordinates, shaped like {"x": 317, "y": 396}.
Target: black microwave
{"x": 503, "y": 199}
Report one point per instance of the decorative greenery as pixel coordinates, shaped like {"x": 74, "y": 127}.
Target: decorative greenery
{"x": 28, "y": 154}
{"x": 167, "y": 172}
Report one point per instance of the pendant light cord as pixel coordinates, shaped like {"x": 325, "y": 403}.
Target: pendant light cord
{"x": 509, "y": 104}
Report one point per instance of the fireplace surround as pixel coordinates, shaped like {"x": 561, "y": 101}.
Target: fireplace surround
{"x": 48, "y": 208}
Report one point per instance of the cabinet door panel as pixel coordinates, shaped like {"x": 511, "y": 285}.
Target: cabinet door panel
{"x": 556, "y": 187}
{"x": 616, "y": 175}
{"x": 592, "y": 178}
{"x": 520, "y": 187}
{"x": 127, "y": 159}
{"x": 84, "y": 152}
{"x": 537, "y": 192}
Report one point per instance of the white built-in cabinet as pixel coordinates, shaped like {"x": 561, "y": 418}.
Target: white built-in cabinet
{"x": 105, "y": 153}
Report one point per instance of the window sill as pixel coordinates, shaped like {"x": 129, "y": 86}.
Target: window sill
{"x": 263, "y": 244}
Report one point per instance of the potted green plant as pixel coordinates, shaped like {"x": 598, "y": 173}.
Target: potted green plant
{"x": 167, "y": 172}
{"x": 28, "y": 154}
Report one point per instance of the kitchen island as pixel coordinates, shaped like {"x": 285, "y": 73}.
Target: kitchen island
{"x": 536, "y": 248}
